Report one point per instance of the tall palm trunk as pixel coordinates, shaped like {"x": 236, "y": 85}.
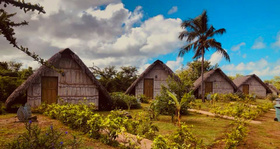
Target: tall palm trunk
{"x": 202, "y": 76}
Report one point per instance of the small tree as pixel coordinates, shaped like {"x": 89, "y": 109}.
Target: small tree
{"x": 186, "y": 98}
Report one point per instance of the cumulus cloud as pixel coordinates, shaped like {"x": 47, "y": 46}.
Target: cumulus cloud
{"x": 237, "y": 47}
{"x": 173, "y": 10}
{"x": 175, "y": 65}
{"x": 100, "y": 32}
{"x": 261, "y": 68}
{"x": 259, "y": 44}
{"x": 215, "y": 58}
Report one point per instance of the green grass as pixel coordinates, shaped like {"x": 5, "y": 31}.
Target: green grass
{"x": 265, "y": 135}
{"x": 207, "y": 128}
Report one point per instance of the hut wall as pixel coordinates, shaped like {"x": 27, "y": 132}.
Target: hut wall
{"x": 161, "y": 74}
{"x": 220, "y": 84}
{"x": 255, "y": 87}
{"x": 73, "y": 87}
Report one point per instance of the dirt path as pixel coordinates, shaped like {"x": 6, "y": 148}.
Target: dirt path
{"x": 222, "y": 116}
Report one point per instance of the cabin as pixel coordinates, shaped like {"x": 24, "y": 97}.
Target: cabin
{"x": 150, "y": 81}
{"x": 72, "y": 82}
{"x": 274, "y": 90}
{"x": 215, "y": 81}
{"x": 252, "y": 84}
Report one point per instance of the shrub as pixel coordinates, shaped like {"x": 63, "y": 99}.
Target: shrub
{"x": 143, "y": 98}
{"x": 271, "y": 97}
{"x": 182, "y": 138}
{"x": 123, "y": 101}
{"x": 237, "y": 134}
{"x": 35, "y": 138}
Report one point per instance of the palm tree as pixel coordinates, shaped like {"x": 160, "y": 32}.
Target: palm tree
{"x": 199, "y": 37}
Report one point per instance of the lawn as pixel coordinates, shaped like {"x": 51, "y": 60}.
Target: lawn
{"x": 11, "y": 128}
{"x": 207, "y": 128}
{"x": 265, "y": 135}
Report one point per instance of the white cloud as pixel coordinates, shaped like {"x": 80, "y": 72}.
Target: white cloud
{"x": 175, "y": 65}
{"x": 100, "y": 32}
{"x": 173, "y": 10}
{"x": 261, "y": 68}
{"x": 259, "y": 44}
{"x": 215, "y": 58}
{"x": 237, "y": 47}
{"x": 276, "y": 44}
{"x": 244, "y": 55}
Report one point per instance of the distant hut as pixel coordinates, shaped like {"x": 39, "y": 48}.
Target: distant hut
{"x": 76, "y": 83}
{"x": 252, "y": 84}
{"x": 274, "y": 90}
{"x": 215, "y": 81}
{"x": 150, "y": 81}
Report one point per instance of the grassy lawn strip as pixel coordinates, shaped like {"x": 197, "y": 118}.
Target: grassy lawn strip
{"x": 265, "y": 135}
{"x": 207, "y": 128}
{"x": 10, "y": 129}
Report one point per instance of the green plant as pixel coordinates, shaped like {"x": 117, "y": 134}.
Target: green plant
{"x": 271, "y": 97}
{"x": 143, "y": 98}
{"x": 160, "y": 142}
{"x": 237, "y": 134}
{"x": 35, "y": 138}
{"x": 123, "y": 101}
{"x": 178, "y": 104}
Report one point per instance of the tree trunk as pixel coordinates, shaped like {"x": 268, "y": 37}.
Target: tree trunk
{"x": 179, "y": 118}
{"x": 202, "y": 76}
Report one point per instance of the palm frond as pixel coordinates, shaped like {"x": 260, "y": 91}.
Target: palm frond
{"x": 185, "y": 49}
{"x": 218, "y": 46}
{"x": 218, "y": 32}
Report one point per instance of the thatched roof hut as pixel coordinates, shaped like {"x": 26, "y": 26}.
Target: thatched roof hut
{"x": 252, "y": 84}
{"x": 274, "y": 90}
{"x": 215, "y": 81}
{"x": 76, "y": 83}
{"x": 150, "y": 81}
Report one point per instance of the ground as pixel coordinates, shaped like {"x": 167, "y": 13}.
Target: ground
{"x": 11, "y": 128}
{"x": 209, "y": 129}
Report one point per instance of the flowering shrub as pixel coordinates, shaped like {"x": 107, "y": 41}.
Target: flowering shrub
{"x": 35, "y": 138}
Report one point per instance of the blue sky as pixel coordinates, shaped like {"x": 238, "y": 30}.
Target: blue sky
{"x": 252, "y": 28}
{"x": 129, "y": 32}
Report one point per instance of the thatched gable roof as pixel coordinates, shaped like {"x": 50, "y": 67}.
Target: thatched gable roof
{"x": 157, "y": 62}
{"x": 208, "y": 74}
{"x": 243, "y": 79}
{"x": 273, "y": 88}
{"x": 66, "y": 52}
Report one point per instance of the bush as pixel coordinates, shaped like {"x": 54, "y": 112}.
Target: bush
{"x": 271, "y": 97}
{"x": 35, "y": 138}
{"x": 121, "y": 101}
{"x": 143, "y": 98}
{"x": 182, "y": 138}
{"x": 237, "y": 134}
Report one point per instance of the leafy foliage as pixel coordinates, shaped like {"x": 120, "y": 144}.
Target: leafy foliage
{"x": 123, "y": 101}
{"x": 182, "y": 138}
{"x": 193, "y": 70}
{"x": 114, "y": 80}
{"x": 11, "y": 76}
{"x": 237, "y": 134}
{"x": 35, "y": 138}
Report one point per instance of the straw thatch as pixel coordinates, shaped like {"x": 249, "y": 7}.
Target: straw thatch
{"x": 208, "y": 74}
{"x": 243, "y": 79}
{"x": 149, "y": 69}
{"x": 66, "y": 52}
{"x": 273, "y": 88}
